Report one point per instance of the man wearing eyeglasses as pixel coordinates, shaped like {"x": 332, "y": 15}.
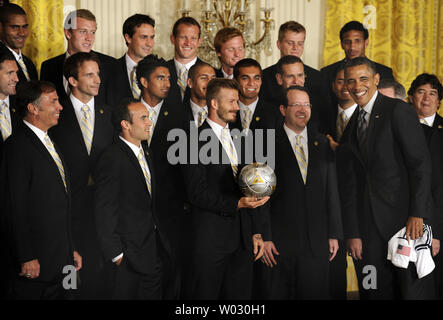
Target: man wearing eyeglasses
{"x": 305, "y": 221}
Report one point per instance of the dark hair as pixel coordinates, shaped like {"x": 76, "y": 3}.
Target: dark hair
{"x": 296, "y": 87}
{"x": 359, "y": 61}
{"x": 293, "y": 26}
{"x": 5, "y": 56}
{"x": 121, "y": 112}
{"x": 10, "y": 9}
{"x": 340, "y": 67}
{"x": 216, "y": 84}
{"x": 147, "y": 66}
{"x": 196, "y": 66}
{"x": 135, "y": 21}
{"x": 188, "y": 21}
{"x": 287, "y": 60}
{"x": 73, "y": 63}
{"x": 426, "y": 78}
{"x": 399, "y": 90}
{"x": 30, "y": 92}
{"x": 354, "y": 25}
{"x": 244, "y": 63}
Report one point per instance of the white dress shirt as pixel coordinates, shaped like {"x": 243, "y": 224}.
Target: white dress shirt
{"x": 179, "y": 66}
{"x": 65, "y": 81}
{"x": 39, "y": 133}
{"x": 304, "y": 141}
{"x": 7, "y": 112}
{"x": 157, "y": 110}
{"x": 348, "y": 112}
{"x": 251, "y": 107}
{"x": 218, "y": 131}
{"x": 430, "y": 120}
{"x": 368, "y": 107}
{"x": 78, "y": 105}
{"x": 227, "y": 76}
{"x": 130, "y": 65}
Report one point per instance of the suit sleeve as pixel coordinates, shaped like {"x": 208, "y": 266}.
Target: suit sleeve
{"x": 335, "y": 227}
{"x": 106, "y": 205}
{"x": 410, "y": 137}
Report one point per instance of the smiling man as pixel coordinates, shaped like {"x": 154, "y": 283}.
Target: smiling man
{"x": 139, "y": 34}
{"x": 230, "y": 48}
{"x": 40, "y": 227}
{"x": 84, "y": 130}
{"x": 385, "y": 178}
{"x": 13, "y": 37}
{"x": 79, "y": 28}
{"x": 8, "y": 83}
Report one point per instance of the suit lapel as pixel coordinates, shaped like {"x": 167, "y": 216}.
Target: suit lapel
{"x": 98, "y": 127}
{"x": 283, "y": 139}
{"x": 313, "y": 149}
{"x": 377, "y": 114}
{"x": 71, "y": 123}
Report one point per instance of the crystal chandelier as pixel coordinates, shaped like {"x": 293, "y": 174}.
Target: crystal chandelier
{"x": 217, "y": 14}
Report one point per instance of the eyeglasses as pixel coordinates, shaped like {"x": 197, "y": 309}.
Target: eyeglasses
{"x": 301, "y": 105}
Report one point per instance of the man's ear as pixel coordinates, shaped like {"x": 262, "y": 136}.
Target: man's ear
{"x": 189, "y": 82}
{"x": 67, "y": 33}
{"x": 144, "y": 82}
{"x": 279, "y": 79}
{"x": 72, "y": 81}
{"x": 283, "y": 110}
{"x": 32, "y": 108}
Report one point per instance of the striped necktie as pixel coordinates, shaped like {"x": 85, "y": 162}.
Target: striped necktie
{"x": 23, "y": 67}
{"x": 134, "y": 87}
{"x": 55, "y": 156}
{"x": 247, "y": 115}
{"x": 229, "y": 149}
{"x": 202, "y": 115}
{"x": 151, "y": 114}
{"x": 301, "y": 157}
{"x": 181, "y": 81}
{"x": 87, "y": 127}
{"x": 144, "y": 166}
{"x": 5, "y": 124}
{"x": 341, "y": 124}
{"x": 362, "y": 127}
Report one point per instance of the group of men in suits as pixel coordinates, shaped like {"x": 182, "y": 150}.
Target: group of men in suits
{"x": 137, "y": 226}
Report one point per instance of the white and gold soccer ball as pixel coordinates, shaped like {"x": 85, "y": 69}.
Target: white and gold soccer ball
{"x": 257, "y": 180}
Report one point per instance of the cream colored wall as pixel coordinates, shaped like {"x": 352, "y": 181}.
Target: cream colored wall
{"x": 111, "y": 14}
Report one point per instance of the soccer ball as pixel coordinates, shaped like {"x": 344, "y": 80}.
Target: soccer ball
{"x": 257, "y": 180}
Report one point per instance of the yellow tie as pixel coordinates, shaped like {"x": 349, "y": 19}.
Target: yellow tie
{"x": 181, "y": 81}
{"x": 202, "y": 115}
{"x": 23, "y": 67}
{"x": 151, "y": 113}
{"x": 341, "y": 124}
{"x": 144, "y": 166}
{"x": 87, "y": 127}
{"x": 301, "y": 158}
{"x": 5, "y": 124}
{"x": 230, "y": 150}
{"x": 134, "y": 87}
{"x": 56, "y": 158}
{"x": 247, "y": 114}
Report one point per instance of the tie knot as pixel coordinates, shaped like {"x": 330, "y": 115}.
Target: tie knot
{"x": 3, "y": 107}
{"x": 203, "y": 112}
{"x": 151, "y": 112}
{"x": 298, "y": 139}
{"x": 85, "y": 108}
{"x": 140, "y": 155}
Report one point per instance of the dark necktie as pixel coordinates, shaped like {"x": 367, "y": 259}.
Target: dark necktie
{"x": 362, "y": 127}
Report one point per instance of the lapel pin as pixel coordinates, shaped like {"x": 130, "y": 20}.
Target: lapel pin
{"x": 440, "y": 126}
{"x": 13, "y": 109}
{"x": 166, "y": 113}
{"x": 377, "y": 116}
{"x": 257, "y": 119}
{"x": 101, "y": 111}
{"x": 316, "y": 143}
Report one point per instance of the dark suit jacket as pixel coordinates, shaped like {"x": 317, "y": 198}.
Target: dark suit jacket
{"x": 272, "y": 92}
{"x": 391, "y": 177}
{"x": 303, "y": 217}
{"x": 29, "y": 65}
{"x": 438, "y": 123}
{"x": 125, "y": 211}
{"x": 217, "y": 227}
{"x": 68, "y": 136}
{"x": 332, "y": 122}
{"x": 120, "y": 87}
{"x": 219, "y": 73}
{"x": 38, "y": 206}
{"x": 265, "y": 116}
{"x": 52, "y": 70}
{"x": 174, "y": 93}
{"x": 15, "y": 122}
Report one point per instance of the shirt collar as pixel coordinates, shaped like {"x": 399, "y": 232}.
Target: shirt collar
{"x": 216, "y": 127}
{"x": 156, "y": 108}
{"x": 40, "y": 133}
{"x": 188, "y": 65}
{"x": 368, "y": 107}
{"x": 130, "y": 64}
{"x": 196, "y": 109}
{"x": 430, "y": 120}
{"x": 6, "y": 100}
{"x": 252, "y": 106}
{"x": 227, "y": 76}
{"x": 77, "y": 104}
{"x": 349, "y": 111}
{"x": 291, "y": 134}
{"x": 134, "y": 148}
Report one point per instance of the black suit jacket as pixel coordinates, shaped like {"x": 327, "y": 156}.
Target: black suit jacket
{"x": 126, "y": 216}
{"x": 272, "y": 92}
{"x": 219, "y": 73}
{"x": 68, "y": 136}
{"x": 52, "y": 71}
{"x": 391, "y": 177}
{"x": 15, "y": 122}
{"x": 32, "y": 71}
{"x": 303, "y": 217}
{"x": 120, "y": 87}
{"x": 38, "y": 206}
{"x": 217, "y": 227}
{"x": 174, "y": 94}
{"x": 265, "y": 116}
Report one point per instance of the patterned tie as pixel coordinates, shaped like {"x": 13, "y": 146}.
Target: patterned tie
{"x": 341, "y": 124}
{"x": 151, "y": 114}
{"x": 144, "y": 166}
{"x": 362, "y": 127}
{"x": 301, "y": 157}
{"x": 23, "y": 67}
{"x": 247, "y": 115}
{"x": 134, "y": 87}
{"x": 423, "y": 121}
{"x": 87, "y": 127}
{"x": 5, "y": 125}
{"x": 181, "y": 81}
{"x": 230, "y": 150}
{"x": 56, "y": 158}
{"x": 202, "y": 115}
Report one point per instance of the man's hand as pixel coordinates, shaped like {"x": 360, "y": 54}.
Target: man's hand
{"x": 258, "y": 245}
{"x": 355, "y": 248}
{"x": 414, "y": 228}
{"x": 435, "y": 247}
{"x": 77, "y": 261}
{"x": 251, "y": 202}
{"x": 333, "y": 248}
{"x": 268, "y": 257}
{"x": 332, "y": 143}
{"x": 30, "y": 269}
